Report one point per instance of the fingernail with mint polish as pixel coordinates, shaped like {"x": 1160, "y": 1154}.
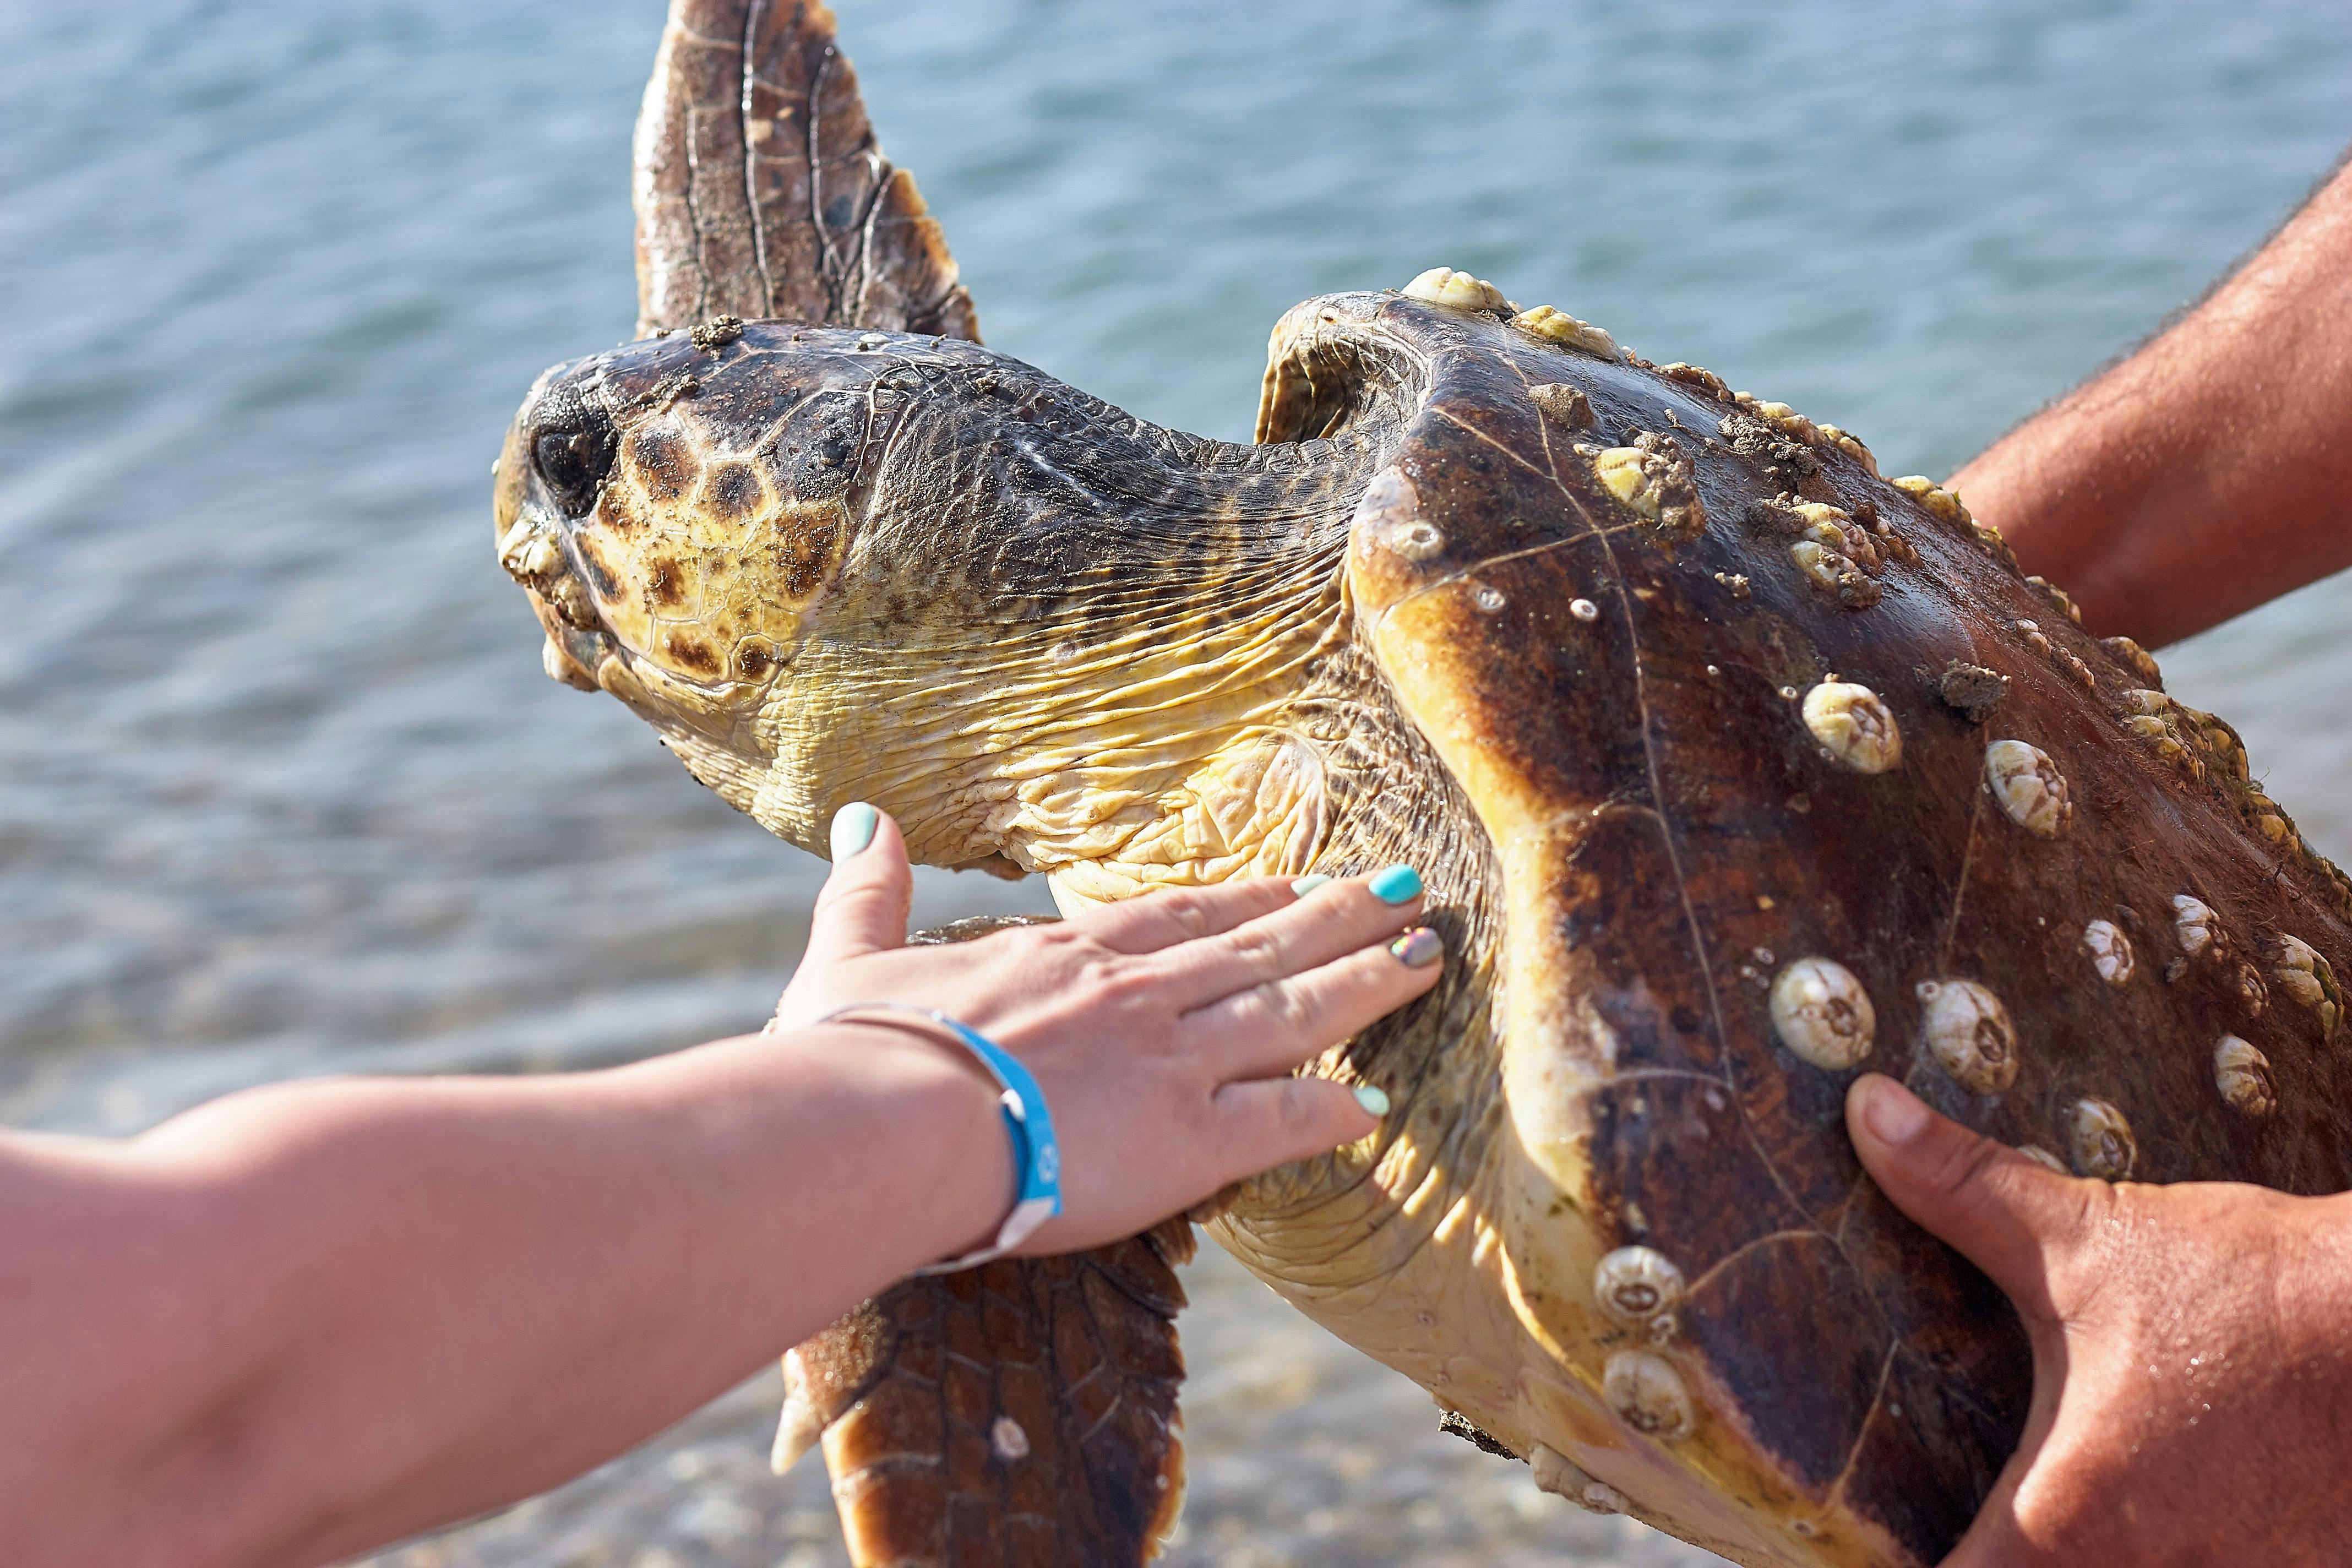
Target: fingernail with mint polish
{"x": 1397, "y": 885}
{"x": 852, "y": 828}
{"x": 1418, "y": 948}
{"x": 1892, "y": 1112}
{"x": 1309, "y": 883}
{"x": 1372, "y": 1097}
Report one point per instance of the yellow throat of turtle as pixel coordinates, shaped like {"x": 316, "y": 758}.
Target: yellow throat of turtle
{"x": 1165, "y": 742}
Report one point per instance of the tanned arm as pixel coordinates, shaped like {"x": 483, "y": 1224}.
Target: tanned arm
{"x": 2212, "y": 470}
{"x": 2192, "y": 1351}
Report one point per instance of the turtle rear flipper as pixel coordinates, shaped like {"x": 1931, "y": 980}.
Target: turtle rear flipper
{"x": 1020, "y": 1413}
{"x": 760, "y": 189}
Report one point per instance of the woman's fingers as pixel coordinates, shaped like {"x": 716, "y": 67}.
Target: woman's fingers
{"x": 1271, "y": 1121}
{"x": 1328, "y": 923}
{"x": 863, "y": 906}
{"x": 1275, "y": 1027}
{"x": 1176, "y": 915}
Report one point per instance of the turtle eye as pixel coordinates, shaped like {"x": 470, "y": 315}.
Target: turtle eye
{"x": 573, "y": 452}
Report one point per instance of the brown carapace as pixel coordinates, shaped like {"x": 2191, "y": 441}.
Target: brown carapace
{"x": 1734, "y": 770}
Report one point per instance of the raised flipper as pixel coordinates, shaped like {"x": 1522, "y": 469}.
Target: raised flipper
{"x": 1019, "y": 1414}
{"x": 761, "y": 191}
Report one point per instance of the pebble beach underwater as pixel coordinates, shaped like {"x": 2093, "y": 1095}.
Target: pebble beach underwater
{"x": 286, "y": 792}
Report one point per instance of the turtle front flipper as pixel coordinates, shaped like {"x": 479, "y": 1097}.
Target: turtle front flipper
{"x": 1020, "y": 1413}
{"x": 760, "y": 189}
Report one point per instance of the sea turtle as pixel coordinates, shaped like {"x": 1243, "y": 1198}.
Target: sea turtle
{"x": 1732, "y": 769}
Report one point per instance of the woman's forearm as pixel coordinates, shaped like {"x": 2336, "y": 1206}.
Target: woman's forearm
{"x": 2212, "y": 470}
{"x": 419, "y": 1300}
{"x": 307, "y": 1320}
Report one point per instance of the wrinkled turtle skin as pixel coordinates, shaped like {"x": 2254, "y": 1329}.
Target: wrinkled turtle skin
{"x": 1734, "y": 770}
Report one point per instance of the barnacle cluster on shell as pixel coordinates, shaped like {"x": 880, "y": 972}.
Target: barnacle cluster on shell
{"x": 2030, "y": 789}
{"x": 2243, "y": 1074}
{"x": 1007, "y": 1439}
{"x": 1458, "y": 290}
{"x": 2196, "y": 926}
{"x": 1787, "y": 456}
{"x": 1971, "y": 690}
{"x": 2207, "y": 749}
{"x": 1559, "y": 327}
{"x": 2246, "y": 980}
{"x": 2057, "y": 653}
{"x": 1854, "y": 726}
{"x": 2153, "y": 717}
{"x": 1655, "y": 477}
{"x": 1821, "y": 1012}
{"x": 2110, "y": 950}
{"x": 1969, "y": 1034}
{"x": 1758, "y": 420}
{"x": 1945, "y": 505}
{"x": 1562, "y": 1476}
{"x": 1647, "y": 1394}
{"x": 1830, "y": 546}
{"x": 1852, "y": 447}
{"x": 1564, "y": 406}
{"x": 2102, "y": 1140}
{"x": 2057, "y": 595}
{"x": 2308, "y": 979}
{"x": 1638, "y": 1287}
{"x": 2134, "y": 657}
{"x": 1698, "y": 376}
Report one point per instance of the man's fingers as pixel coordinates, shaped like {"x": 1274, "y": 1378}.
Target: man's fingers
{"x": 863, "y": 906}
{"x": 1326, "y": 924}
{"x": 2005, "y": 1212}
{"x": 1271, "y": 1121}
{"x": 1277, "y": 1026}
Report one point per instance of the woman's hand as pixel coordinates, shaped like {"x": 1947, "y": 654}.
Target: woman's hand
{"x": 1163, "y": 1031}
{"x": 2192, "y": 1350}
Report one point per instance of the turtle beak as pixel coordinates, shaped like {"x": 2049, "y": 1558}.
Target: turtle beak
{"x": 558, "y": 454}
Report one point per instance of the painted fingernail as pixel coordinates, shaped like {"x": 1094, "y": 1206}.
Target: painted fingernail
{"x": 1418, "y": 948}
{"x": 1309, "y": 882}
{"x": 1397, "y": 885}
{"x": 852, "y": 828}
{"x": 1891, "y": 1111}
{"x": 1372, "y": 1097}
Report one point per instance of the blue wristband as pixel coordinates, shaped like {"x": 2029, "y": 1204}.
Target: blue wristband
{"x": 1037, "y": 1157}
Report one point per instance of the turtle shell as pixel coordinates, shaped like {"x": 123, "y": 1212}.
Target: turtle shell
{"x": 1734, "y": 769}
{"x": 1790, "y": 776}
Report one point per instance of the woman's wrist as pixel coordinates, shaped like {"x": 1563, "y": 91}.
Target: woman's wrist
{"x": 937, "y": 1142}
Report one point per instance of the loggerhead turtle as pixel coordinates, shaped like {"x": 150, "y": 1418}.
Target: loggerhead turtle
{"x": 1733, "y": 770}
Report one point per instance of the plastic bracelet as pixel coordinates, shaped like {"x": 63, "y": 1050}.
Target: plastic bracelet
{"x": 1037, "y": 1157}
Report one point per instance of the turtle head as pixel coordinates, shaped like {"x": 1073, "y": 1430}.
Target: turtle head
{"x": 677, "y": 518}
{"x": 831, "y": 564}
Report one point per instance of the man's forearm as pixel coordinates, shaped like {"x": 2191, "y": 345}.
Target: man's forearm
{"x": 2212, "y": 470}
{"x": 432, "y": 1298}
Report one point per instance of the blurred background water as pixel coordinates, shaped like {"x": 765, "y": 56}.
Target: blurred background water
{"x": 287, "y": 793}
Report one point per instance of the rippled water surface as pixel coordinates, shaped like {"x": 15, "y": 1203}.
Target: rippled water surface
{"x": 286, "y": 790}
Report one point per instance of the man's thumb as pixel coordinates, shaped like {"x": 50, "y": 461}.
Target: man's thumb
{"x": 863, "y": 907}
{"x": 2002, "y": 1210}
